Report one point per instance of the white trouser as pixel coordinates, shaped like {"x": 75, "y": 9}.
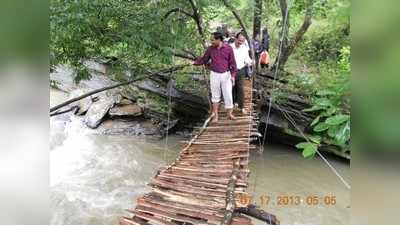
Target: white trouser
{"x": 221, "y": 82}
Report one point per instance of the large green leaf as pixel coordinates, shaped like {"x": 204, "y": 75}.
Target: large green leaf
{"x": 314, "y": 108}
{"x": 332, "y": 131}
{"x": 302, "y": 145}
{"x": 315, "y": 121}
{"x": 323, "y": 102}
{"x": 338, "y": 119}
{"x": 321, "y": 127}
{"x": 316, "y": 139}
{"x": 330, "y": 111}
{"x": 310, "y": 150}
{"x": 343, "y": 133}
{"x": 325, "y": 92}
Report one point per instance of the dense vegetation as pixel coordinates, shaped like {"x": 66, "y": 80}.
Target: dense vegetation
{"x": 138, "y": 35}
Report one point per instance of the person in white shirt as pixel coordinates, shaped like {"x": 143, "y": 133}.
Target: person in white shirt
{"x": 243, "y": 60}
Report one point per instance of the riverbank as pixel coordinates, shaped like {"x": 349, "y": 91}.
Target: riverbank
{"x": 125, "y": 111}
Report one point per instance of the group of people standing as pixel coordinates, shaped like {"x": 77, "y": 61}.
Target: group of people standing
{"x": 229, "y": 63}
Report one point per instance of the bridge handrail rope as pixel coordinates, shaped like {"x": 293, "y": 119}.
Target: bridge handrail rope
{"x": 169, "y": 86}
{"x": 287, "y": 116}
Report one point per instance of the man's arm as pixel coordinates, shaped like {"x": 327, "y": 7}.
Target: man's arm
{"x": 204, "y": 59}
{"x": 232, "y": 63}
{"x": 247, "y": 59}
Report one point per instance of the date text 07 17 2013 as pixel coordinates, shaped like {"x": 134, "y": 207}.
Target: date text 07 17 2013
{"x": 287, "y": 200}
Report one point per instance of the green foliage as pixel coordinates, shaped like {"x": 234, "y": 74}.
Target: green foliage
{"x": 156, "y": 103}
{"x": 329, "y": 33}
{"x": 331, "y": 99}
{"x": 133, "y": 32}
{"x": 309, "y": 148}
{"x": 182, "y": 79}
{"x": 303, "y": 83}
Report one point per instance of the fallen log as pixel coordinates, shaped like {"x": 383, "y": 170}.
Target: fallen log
{"x": 92, "y": 93}
{"x": 254, "y": 211}
{"x": 64, "y": 111}
{"x": 149, "y": 73}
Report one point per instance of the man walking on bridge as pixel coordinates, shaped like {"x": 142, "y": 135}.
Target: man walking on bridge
{"x": 223, "y": 72}
{"x": 243, "y": 61}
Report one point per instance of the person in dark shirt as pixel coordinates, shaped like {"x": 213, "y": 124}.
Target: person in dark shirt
{"x": 257, "y": 48}
{"x": 265, "y": 40}
{"x": 223, "y": 72}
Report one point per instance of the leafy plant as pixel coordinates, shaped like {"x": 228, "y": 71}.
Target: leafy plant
{"x": 332, "y": 121}
{"x": 309, "y": 148}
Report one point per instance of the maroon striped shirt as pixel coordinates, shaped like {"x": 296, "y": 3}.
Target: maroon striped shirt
{"x": 222, "y": 59}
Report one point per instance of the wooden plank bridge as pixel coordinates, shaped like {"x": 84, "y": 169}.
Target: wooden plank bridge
{"x": 202, "y": 185}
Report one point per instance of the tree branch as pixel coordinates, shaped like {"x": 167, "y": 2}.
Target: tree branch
{"x": 289, "y": 45}
{"x": 304, "y": 27}
{"x": 92, "y": 93}
{"x": 178, "y": 10}
{"x": 196, "y": 16}
{"x": 111, "y": 87}
{"x": 64, "y": 111}
{"x": 183, "y": 54}
{"x": 257, "y": 18}
{"x": 189, "y": 52}
{"x": 199, "y": 21}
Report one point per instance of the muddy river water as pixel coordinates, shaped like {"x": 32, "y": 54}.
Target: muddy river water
{"x": 94, "y": 178}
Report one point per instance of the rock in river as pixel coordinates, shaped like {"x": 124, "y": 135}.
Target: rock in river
{"x": 126, "y": 110}
{"x": 97, "y": 111}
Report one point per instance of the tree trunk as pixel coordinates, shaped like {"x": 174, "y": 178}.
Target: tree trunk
{"x": 199, "y": 21}
{"x": 287, "y": 45}
{"x": 257, "y": 18}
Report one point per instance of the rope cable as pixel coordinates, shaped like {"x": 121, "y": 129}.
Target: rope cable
{"x": 169, "y": 88}
{"x": 276, "y": 71}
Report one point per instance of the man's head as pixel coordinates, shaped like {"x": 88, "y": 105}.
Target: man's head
{"x": 240, "y": 39}
{"x": 217, "y": 39}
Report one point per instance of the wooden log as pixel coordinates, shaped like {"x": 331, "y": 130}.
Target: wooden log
{"x": 130, "y": 221}
{"x": 185, "y": 198}
{"x": 230, "y": 196}
{"x": 162, "y": 214}
{"x": 172, "y": 207}
{"x": 256, "y": 212}
{"x": 154, "y": 199}
{"x": 65, "y": 111}
{"x": 234, "y": 143}
{"x": 192, "y": 182}
{"x": 220, "y": 139}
